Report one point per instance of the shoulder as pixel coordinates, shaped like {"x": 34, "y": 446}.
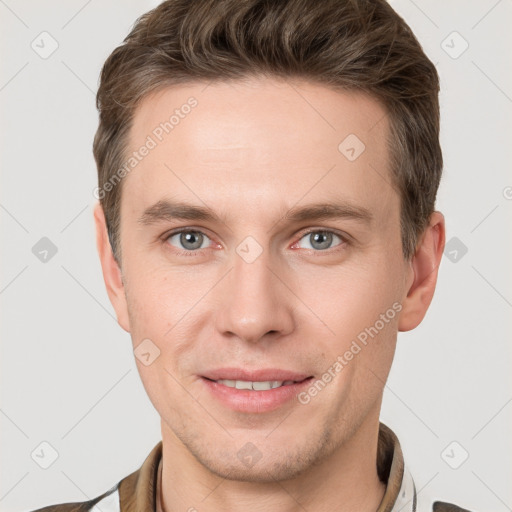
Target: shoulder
{"x": 136, "y": 489}
{"x": 86, "y": 506}
{"x": 442, "y": 506}
{"x": 83, "y": 506}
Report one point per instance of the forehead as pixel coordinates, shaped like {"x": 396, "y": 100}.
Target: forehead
{"x": 262, "y": 135}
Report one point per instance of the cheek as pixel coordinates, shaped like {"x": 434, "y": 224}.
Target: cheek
{"x": 350, "y": 299}
{"x": 360, "y": 306}
{"x": 159, "y": 298}
{"x": 170, "y": 308}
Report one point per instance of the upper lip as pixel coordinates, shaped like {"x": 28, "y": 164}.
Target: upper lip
{"x": 261, "y": 375}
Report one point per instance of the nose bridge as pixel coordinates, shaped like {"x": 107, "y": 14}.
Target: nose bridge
{"x": 254, "y": 302}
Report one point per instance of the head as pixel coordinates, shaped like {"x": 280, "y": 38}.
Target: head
{"x": 235, "y": 120}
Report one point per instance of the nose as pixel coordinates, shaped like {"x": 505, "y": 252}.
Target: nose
{"x": 255, "y": 301}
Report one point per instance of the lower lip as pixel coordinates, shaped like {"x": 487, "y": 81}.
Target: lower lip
{"x": 244, "y": 400}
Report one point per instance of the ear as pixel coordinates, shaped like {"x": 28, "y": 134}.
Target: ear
{"x": 424, "y": 266}
{"x": 112, "y": 274}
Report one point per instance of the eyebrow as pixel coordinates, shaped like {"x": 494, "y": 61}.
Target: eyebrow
{"x": 165, "y": 210}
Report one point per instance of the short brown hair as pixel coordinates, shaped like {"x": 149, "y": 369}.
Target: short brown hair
{"x": 361, "y": 45}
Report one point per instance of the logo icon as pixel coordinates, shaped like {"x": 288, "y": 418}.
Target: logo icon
{"x": 44, "y": 45}
{"x": 44, "y": 250}
{"x": 146, "y": 352}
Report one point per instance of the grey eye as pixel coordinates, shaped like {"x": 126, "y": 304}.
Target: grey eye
{"x": 189, "y": 240}
{"x": 319, "y": 240}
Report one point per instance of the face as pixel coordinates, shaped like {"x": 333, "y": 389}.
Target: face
{"x": 247, "y": 288}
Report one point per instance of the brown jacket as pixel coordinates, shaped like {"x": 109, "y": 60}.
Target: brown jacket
{"x": 138, "y": 492}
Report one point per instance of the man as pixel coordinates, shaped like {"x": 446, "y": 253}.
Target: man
{"x": 267, "y": 181}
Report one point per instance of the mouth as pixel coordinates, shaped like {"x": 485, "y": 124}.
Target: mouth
{"x": 256, "y": 392}
{"x": 264, "y": 385}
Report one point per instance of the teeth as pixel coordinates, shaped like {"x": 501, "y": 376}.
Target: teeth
{"x": 240, "y": 384}
{"x": 262, "y": 386}
{"x": 256, "y": 386}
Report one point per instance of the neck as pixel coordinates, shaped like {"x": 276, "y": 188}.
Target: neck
{"x": 344, "y": 481}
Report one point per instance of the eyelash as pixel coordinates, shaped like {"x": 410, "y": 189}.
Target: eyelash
{"x": 196, "y": 252}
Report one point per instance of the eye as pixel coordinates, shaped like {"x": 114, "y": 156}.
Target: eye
{"x": 319, "y": 240}
{"x": 189, "y": 240}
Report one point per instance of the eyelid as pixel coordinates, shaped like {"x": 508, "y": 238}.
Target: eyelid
{"x": 343, "y": 236}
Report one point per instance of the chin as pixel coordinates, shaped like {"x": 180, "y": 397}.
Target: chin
{"x": 270, "y": 465}
{"x": 259, "y": 473}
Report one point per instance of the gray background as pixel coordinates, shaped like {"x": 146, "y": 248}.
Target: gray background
{"x": 68, "y": 372}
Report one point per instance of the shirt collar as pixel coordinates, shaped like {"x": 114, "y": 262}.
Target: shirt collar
{"x": 139, "y": 490}
{"x": 400, "y": 494}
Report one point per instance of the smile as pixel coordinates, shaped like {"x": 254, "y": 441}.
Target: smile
{"x": 255, "y": 385}
{"x": 249, "y": 396}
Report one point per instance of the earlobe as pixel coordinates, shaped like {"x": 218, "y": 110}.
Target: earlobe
{"x": 424, "y": 268}
{"x": 110, "y": 269}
